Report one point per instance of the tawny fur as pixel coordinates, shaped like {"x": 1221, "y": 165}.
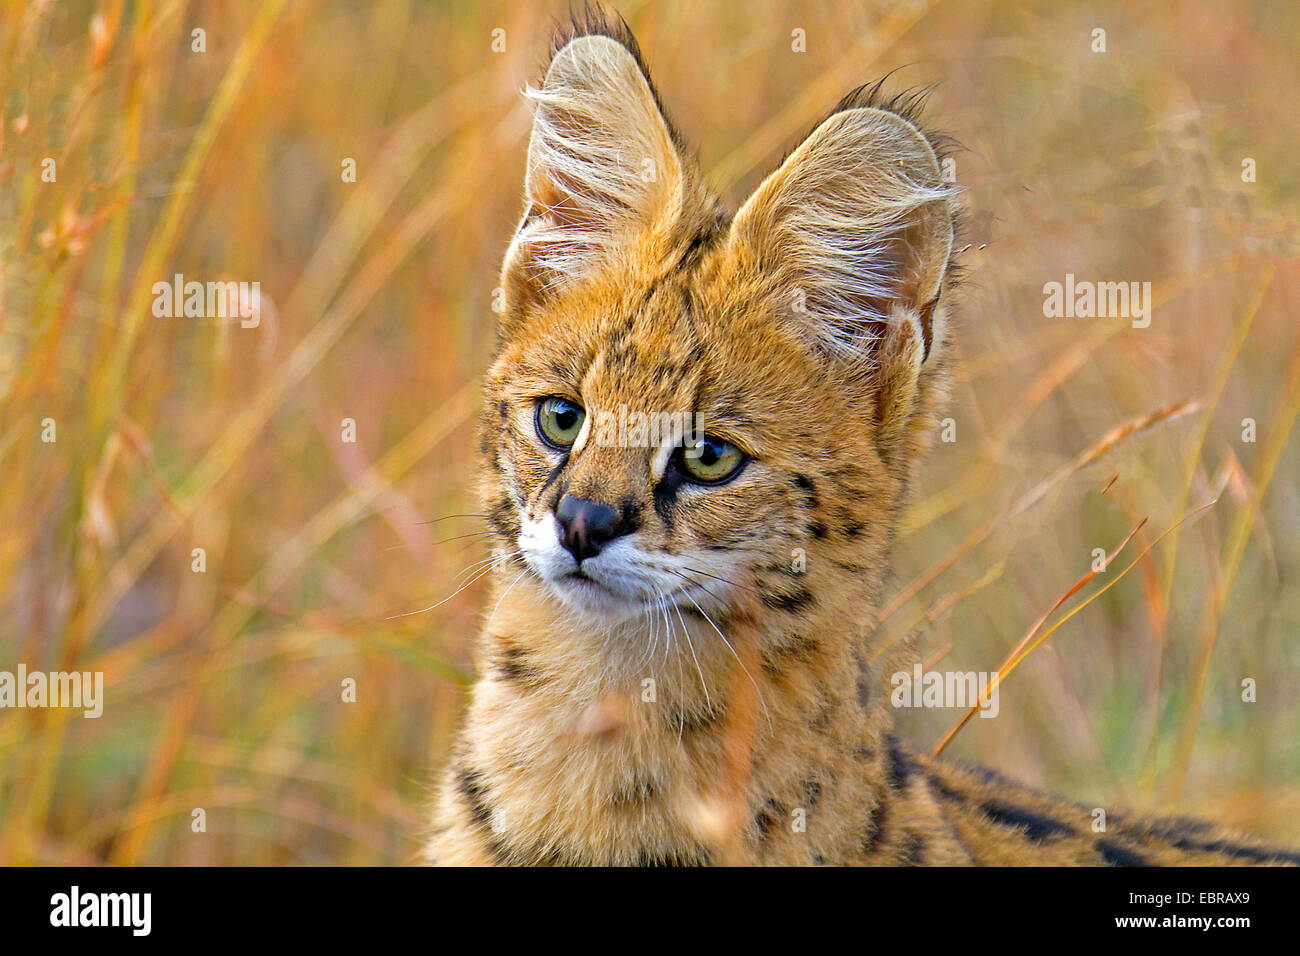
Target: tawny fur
{"x": 811, "y": 330}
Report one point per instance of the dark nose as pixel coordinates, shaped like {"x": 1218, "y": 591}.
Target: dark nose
{"x": 586, "y": 526}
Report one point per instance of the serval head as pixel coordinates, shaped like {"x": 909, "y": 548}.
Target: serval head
{"x": 685, "y": 401}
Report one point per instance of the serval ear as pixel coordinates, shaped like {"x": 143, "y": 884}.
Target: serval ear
{"x": 854, "y": 233}
{"x": 604, "y": 170}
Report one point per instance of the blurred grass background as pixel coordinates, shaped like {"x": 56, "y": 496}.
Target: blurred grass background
{"x": 223, "y": 688}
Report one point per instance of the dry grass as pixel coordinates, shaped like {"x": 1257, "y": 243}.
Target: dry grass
{"x": 223, "y": 688}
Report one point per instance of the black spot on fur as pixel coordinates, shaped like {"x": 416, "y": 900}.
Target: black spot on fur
{"x": 694, "y": 720}
{"x": 1116, "y": 855}
{"x": 817, "y": 530}
{"x": 1189, "y": 834}
{"x": 1254, "y": 854}
{"x": 1178, "y": 828}
{"x": 699, "y": 243}
{"x": 810, "y": 498}
{"x": 989, "y": 777}
{"x": 864, "y": 688}
{"x": 941, "y": 789}
{"x": 503, "y": 519}
{"x": 550, "y": 479}
{"x": 900, "y": 766}
{"x": 638, "y": 792}
{"x": 665, "y": 495}
{"x": 875, "y": 828}
{"x": 768, "y": 818}
{"x": 691, "y": 856}
{"x": 471, "y": 787}
{"x": 514, "y": 668}
{"x": 629, "y": 517}
{"x": 913, "y": 849}
{"x": 1037, "y": 827}
{"x": 794, "y": 601}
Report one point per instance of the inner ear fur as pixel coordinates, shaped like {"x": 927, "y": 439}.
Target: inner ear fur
{"x": 603, "y": 167}
{"x": 860, "y": 221}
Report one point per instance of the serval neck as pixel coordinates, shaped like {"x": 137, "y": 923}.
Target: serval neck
{"x": 649, "y": 725}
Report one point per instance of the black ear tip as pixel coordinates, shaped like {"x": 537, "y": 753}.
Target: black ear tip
{"x": 595, "y": 20}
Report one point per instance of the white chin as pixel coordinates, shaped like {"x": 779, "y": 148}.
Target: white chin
{"x": 594, "y": 599}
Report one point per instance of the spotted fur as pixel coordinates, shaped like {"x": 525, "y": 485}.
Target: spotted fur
{"x": 811, "y": 330}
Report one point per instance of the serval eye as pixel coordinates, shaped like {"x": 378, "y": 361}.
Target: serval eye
{"x": 559, "y": 421}
{"x": 711, "y": 461}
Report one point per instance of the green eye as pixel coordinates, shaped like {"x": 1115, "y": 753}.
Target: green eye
{"x": 559, "y": 421}
{"x": 711, "y": 461}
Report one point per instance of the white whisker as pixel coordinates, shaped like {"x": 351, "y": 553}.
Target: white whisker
{"x": 507, "y": 591}
{"x": 729, "y": 647}
{"x": 494, "y": 563}
{"x": 686, "y": 632}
